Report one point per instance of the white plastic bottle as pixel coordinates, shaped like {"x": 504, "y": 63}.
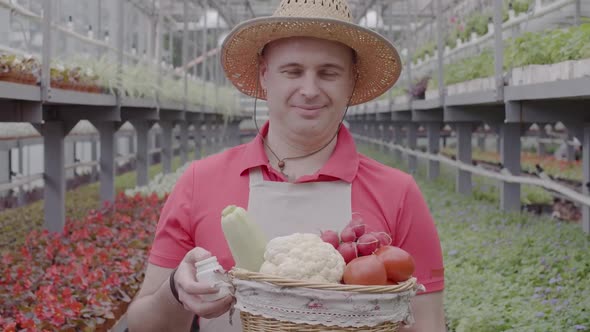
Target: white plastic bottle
{"x": 210, "y": 271}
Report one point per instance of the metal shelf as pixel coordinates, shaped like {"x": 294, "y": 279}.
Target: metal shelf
{"x": 69, "y": 97}
{"x": 401, "y": 107}
{"x": 171, "y": 105}
{"x": 16, "y": 91}
{"x": 138, "y": 103}
{"x": 473, "y": 98}
{"x": 428, "y": 104}
{"x": 578, "y": 88}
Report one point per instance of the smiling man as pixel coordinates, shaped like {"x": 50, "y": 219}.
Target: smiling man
{"x": 301, "y": 173}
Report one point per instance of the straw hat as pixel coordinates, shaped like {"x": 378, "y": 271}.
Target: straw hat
{"x": 378, "y": 61}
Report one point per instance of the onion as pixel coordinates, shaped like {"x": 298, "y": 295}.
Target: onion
{"x": 365, "y": 270}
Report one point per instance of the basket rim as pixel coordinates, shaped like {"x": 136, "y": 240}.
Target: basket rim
{"x": 243, "y": 274}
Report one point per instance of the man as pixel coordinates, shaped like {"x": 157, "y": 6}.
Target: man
{"x": 300, "y": 174}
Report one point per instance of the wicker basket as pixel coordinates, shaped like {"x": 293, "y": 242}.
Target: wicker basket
{"x": 258, "y": 323}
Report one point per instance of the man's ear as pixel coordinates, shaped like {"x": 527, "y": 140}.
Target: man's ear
{"x": 262, "y": 72}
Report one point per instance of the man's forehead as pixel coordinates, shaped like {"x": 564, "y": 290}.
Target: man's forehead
{"x": 297, "y": 45}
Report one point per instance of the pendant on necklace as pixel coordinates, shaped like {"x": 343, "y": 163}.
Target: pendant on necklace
{"x": 281, "y": 164}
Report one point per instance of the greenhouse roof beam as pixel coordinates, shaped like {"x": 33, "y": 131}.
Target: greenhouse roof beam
{"x": 223, "y": 11}
{"x": 363, "y": 10}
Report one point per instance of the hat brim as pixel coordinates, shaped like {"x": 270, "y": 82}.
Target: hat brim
{"x": 378, "y": 62}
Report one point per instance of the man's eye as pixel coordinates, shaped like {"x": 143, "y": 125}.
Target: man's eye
{"x": 292, "y": 72}
{"x": 329, "y": 73}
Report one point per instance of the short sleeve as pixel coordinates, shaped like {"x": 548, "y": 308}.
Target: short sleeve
{"x": 173, "y": 237}
{"x": 416, "y": 233}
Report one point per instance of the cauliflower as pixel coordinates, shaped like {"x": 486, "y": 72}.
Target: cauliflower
{"x": 303, "y": 256}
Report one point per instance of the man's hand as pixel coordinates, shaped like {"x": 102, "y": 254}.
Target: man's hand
{"x": 189, "y": 288}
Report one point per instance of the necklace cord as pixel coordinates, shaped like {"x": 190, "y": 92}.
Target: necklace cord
{"x": 281, "y": 162}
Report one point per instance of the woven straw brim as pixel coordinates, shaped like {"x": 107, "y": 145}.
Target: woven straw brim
{"x": 378, "y": 62}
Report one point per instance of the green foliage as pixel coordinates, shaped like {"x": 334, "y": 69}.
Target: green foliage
{"x": 427, "y": 48}
{"x": 539, "y": 48}
{"x": 477, "y": 23}
{"x": 506, "y": 271}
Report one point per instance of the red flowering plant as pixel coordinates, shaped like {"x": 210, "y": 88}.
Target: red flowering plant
{"x": 83, "y": 278}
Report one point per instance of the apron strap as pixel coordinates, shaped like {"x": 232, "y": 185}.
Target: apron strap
{"x": 256, "y": 176}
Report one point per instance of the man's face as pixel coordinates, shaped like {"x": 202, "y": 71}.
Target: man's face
{"x": 308, "y": 83}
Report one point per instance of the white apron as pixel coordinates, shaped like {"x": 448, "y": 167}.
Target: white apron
{"x": 282, "y": 208}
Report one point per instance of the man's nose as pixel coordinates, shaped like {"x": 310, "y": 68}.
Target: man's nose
{"x": 309, "y": 86}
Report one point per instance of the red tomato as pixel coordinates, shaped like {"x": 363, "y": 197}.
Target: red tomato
{"x": 398, "y": 263}
{"x": 366, "y": 270}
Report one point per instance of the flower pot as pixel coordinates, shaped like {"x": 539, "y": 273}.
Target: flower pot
{"x": 560, "y": 71}
{"x": 581, "y": 68}
{"x": 517, "y": 76}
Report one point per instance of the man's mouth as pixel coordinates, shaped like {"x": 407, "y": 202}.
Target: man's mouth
{"x": 309, "y": 107}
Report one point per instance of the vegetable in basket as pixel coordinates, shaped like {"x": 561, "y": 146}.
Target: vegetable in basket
{"x": 303, "y": 256}
{"x": 246, "y": 240}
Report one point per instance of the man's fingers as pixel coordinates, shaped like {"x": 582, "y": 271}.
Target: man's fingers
{"x": 208, "y": 310}
{"x": 196, "y": 288}
{"x": 195, "y": 255}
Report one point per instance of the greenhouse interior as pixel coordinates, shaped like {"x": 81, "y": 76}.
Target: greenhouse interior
{"x": 106, "y": 104}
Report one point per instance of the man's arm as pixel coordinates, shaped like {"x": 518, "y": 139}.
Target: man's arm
{"x": 155, "y": 308}
{"x": 429, "y": 313}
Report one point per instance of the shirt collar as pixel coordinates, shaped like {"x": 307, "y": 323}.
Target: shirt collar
{"x": 343, "y": 163}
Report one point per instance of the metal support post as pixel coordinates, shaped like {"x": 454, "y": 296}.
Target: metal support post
{"x": 21, "y": 169}
{"x": 578, "y": 12}
{"x": 205, "y": 51}
{"x": 167, "y": 155}
{"x": 108, "y": 150}
{"x": 412, "y": 142}
{"x": 440, "y": 47}
{"x": 54, "y": 175}
{"x": 586, "y": 177}
{"x": 385, "y": 135}
{"x": 183, "y": 142}
{"x": 398, "y": 139}
{"x": 464, "y": 154}
{"x": 433, "y": 132}
{"x": 198, "y": 139}
{"x": 510, "y": 142}
{"x": 142, "y": 159}
{"x": 5, "y": 166}
{"x": 184, "y": 62}
{"x": 94, "y": 157}
{"x": 372, "y": 128}
{"x": 46, "y": 51}
{"x": 498, "y": 49}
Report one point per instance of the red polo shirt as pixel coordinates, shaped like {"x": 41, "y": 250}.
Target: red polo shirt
{"x": 387, "y": 199}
